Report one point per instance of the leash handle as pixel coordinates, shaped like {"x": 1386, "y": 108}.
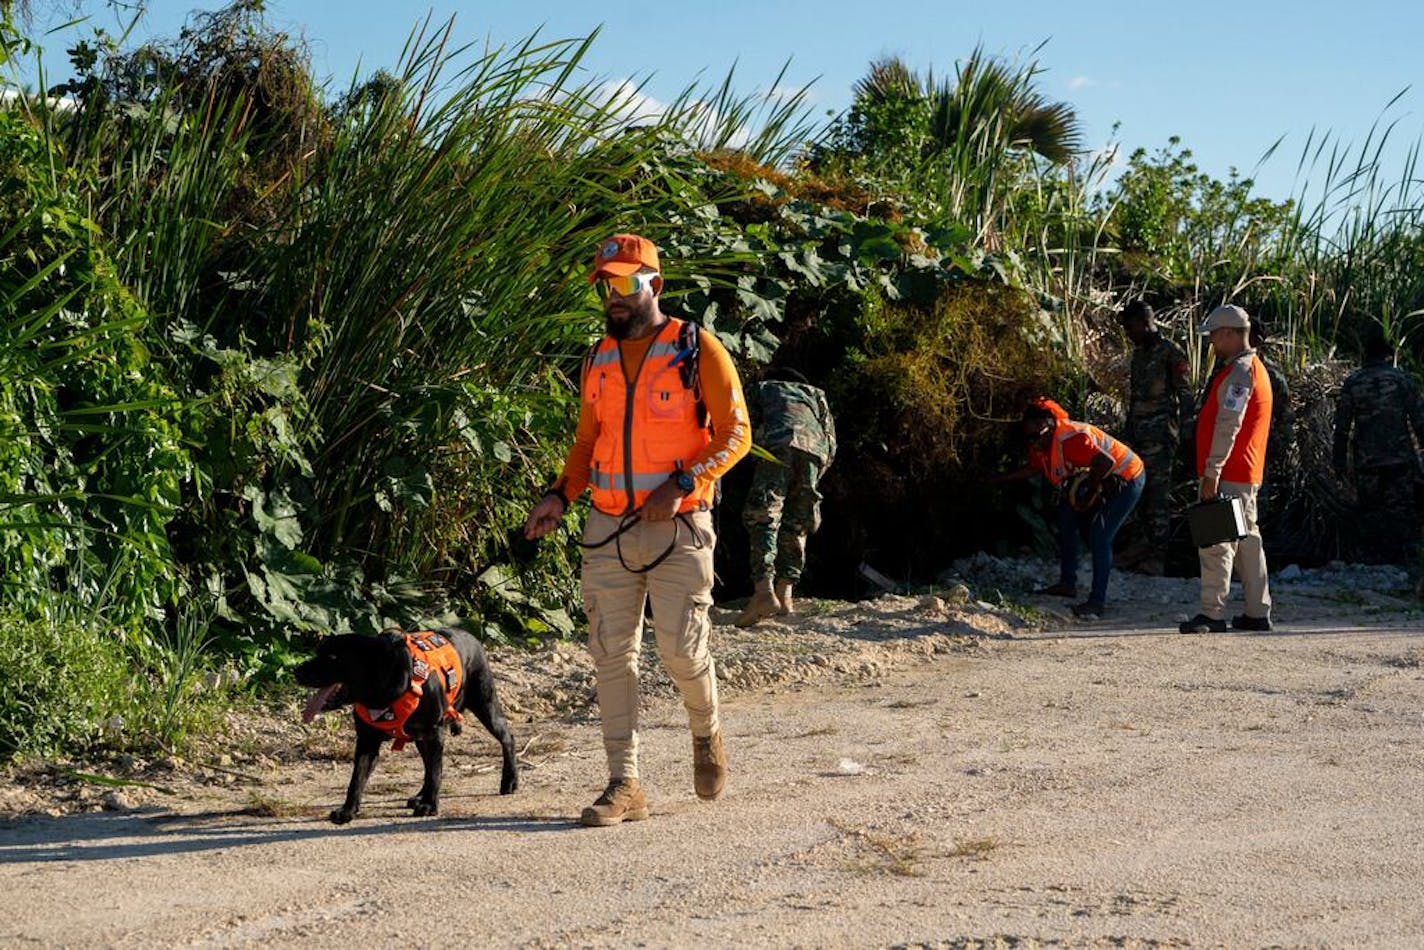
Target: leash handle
{"x": 624, "y": 524}
{"x": 627, "y": 522}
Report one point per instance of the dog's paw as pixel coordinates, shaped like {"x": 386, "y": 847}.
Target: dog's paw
{"x": 341, "y": 816}
{"x": 509, "y": 784}
{"x": 456, "y": 728}
{"x": 422, "y": 807}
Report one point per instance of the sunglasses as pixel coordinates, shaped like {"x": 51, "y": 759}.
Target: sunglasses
{"x": 624, "y": 286}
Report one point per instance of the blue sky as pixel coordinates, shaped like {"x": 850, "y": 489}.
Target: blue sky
{"x": 1228, "y": 78}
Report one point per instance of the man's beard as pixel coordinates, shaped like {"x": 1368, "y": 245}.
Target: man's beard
{"x": 635, "y": 324}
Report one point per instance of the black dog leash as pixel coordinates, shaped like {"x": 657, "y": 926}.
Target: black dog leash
{"x": 626, "y": 523}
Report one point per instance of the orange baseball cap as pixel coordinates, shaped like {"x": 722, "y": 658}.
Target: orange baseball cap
{"x": 624, "y": 254}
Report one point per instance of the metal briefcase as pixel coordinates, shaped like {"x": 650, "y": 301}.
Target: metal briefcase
{"x": 1213, "y": 522}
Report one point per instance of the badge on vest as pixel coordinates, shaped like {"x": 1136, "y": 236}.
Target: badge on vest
{"x": 1236, "y": 396}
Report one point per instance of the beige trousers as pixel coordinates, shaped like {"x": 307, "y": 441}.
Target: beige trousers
{"x": 1248, "y": 556}
{"x": 680, "y": 589}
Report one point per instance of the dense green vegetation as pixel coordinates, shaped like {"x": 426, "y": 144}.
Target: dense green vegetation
{"x": 276, "y": 361}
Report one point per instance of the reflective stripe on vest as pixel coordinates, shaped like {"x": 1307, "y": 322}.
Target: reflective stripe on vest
{"x": 647, "y": 429}
{"x": 429, "y": 653}
{"x": 1126, "y": 464}
{"x": 604, "y": 357}
{"x": 614, "y": 481}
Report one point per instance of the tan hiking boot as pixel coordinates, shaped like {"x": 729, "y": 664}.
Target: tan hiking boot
{"x": 783, "y": 597}
{"x": 709, "y": 766}
{"x": 622, "y": 800}
{"x": 762, "y": 605}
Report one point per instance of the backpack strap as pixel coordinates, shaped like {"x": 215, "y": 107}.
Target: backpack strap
{"x": 689, "y": 352}
{"x": 688, "y": 362}
{"x": 689, "y": 367}
{"x": 588, "y": 362}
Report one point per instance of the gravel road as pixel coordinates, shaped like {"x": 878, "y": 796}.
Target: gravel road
{"x": 913, "y": 771}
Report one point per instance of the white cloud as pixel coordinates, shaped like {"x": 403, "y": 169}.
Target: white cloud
{"x": 1088, "y": 82}
{"x": 8, "y": 98}
{"x": 627, "y": 104}
{"x": 623, "y": 99}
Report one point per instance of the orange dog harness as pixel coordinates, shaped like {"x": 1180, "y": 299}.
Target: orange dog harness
{"x": 429, "y": 653}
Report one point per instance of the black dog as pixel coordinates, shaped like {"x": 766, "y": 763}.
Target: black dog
{"x": 381, "y": 675}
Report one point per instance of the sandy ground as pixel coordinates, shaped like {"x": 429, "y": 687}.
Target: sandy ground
{"x": 907, "y": 772}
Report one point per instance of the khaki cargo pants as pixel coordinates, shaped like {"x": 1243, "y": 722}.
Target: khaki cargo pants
{"x": 680, "y": 589}
{"x": 1248, "y": 556}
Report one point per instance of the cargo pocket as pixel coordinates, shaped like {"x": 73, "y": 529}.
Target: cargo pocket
{"x": 703, "y": 535}
{"x": 693, "y": 635}
{"x": 667, "y": 398}
{"x": 595, "y": 625}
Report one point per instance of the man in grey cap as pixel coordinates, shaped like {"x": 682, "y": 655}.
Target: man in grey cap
{"x": 1232, "y": 430}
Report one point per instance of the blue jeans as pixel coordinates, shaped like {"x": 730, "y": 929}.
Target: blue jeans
{"x": 1102, "y": 524}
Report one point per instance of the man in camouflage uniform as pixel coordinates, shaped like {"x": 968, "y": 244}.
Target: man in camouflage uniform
{"x": 1378, "y": 409}
{"x": 1159, "y": 407}
{"x": 791, "y": 420}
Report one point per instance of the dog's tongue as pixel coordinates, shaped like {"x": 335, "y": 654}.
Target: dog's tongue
{"x": 316, "y": 703}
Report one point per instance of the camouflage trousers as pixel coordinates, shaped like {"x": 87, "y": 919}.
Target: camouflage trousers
{"x": 1388, "y": 523}
{"x": 1154, "y": 510}
{"x": 783, "y": 509}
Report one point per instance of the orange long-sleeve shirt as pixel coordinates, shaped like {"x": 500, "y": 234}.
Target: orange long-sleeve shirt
{"x": 726, "y": 411}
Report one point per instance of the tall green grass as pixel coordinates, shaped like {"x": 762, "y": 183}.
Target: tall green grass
{"x": 76, "y": 674}
{"x": 286, "y": 367}
{"x": 369, "y": 309}
{"x": 435, "y": 252}
{"x": 1353, "y": 254}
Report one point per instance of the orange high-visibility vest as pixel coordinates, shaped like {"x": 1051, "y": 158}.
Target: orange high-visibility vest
{"x": 1126, "y": 464}
{"x": 1246, "y": 462}
{"x": 648, "y": 427}
{"x": 429, "y": 653}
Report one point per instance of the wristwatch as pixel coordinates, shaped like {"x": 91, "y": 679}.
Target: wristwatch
{"x": 684, "y": 480}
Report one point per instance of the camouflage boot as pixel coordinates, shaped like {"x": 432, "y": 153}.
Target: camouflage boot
{"x": 709, "y": 766}
{"x": 783, "y": 597}
{"x": 762, "y": 605}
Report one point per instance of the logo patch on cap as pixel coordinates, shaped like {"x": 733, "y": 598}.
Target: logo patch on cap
{"x": 609, "y": 250}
